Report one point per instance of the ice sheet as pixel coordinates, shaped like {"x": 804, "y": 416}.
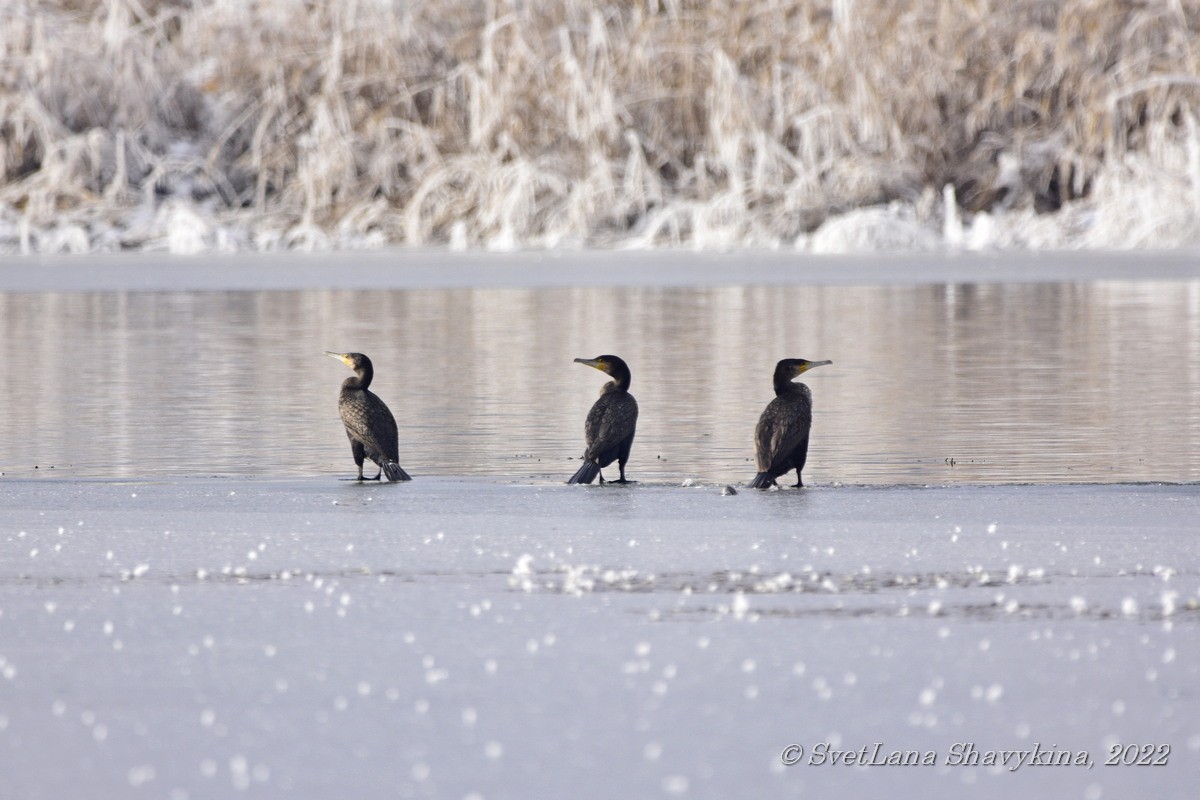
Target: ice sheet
{"x": 425, "y": 269}
{"x": 474, "y": 638}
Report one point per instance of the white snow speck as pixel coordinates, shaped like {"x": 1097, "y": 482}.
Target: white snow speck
{"x": 675, "y": 784}
{"x": 239, "y": 772}
{"x": 139, "y": 776}
{"x": 1168, "y": 602}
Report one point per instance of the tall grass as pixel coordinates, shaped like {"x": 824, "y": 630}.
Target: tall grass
{"x": 828, "y": 124}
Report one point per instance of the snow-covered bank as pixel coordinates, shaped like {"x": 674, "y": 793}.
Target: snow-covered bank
{"x": 819, "y": 126}
{"x": 467, "y": 638}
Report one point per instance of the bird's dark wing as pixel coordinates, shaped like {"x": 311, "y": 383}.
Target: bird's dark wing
{"x": 369, "y": 421}
{"x": 782, "y": 426}
{"x": 611, "y": 421}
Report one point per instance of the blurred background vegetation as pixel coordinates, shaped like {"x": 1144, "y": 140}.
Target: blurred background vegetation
{"x": 834, "y": 124}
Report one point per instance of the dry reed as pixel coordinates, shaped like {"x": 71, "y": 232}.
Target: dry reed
{"x": 834, "y": 124}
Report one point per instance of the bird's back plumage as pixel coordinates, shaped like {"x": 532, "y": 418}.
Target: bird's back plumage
{"x": 609, "y": 429}
{"x": 781, "y": 436}
{"x": 612, "y": 420}
{"x": 369, "y": 421}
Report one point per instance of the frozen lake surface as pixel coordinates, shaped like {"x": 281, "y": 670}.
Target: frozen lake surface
{"x": 997, "y": 555}
{"x": 471, "y": 638}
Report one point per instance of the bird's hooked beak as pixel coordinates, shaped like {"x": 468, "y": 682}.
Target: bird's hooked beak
{"x": 342, "y": 357}
{"x": 593, "y": 363}
{"x": 805, "y": 367}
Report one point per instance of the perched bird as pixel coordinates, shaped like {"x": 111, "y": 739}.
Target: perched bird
{"x": 610, "y": 424}
{"x": 370, "y": 426}
{"x": 781, "y": 437}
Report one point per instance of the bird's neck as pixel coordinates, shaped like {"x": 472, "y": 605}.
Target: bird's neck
{"x": 616, "y": 385}
{"x": 361, "y": 380}
{"x": 785, "y": 386}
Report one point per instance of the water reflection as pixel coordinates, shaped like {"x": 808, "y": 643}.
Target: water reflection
{"x": 946, "y": 383}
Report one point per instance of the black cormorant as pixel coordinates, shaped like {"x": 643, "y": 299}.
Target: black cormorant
{"x": 781, "y": 437}
{"x": 610, "y": 424}
{"x": 370, "y": 426}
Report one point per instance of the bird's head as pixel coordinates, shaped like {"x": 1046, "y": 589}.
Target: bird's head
{"x": 611, "y": 365}
{"x": 792, "y": 368}
{"x": 603, "y": 363}
{"x": 355, "y": 361}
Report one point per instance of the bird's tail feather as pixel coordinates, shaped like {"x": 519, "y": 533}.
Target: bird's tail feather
{"x": 395, "y": 472}
{"x": 762, "y": 480}
{"x": 587, "y": 473}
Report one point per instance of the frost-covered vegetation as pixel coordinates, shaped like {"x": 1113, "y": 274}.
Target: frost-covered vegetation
{"x": 827, "y": 124}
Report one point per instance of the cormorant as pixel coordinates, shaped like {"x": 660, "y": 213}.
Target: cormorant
{"x": 610, "y": 424}
{"x": 781, "y": 437}
{"x": 370, "y": 426}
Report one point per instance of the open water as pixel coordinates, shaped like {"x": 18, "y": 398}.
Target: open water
{"x": 931, "y": 383}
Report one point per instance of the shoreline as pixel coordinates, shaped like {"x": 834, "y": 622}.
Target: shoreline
{"x": 396, "y": 269}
